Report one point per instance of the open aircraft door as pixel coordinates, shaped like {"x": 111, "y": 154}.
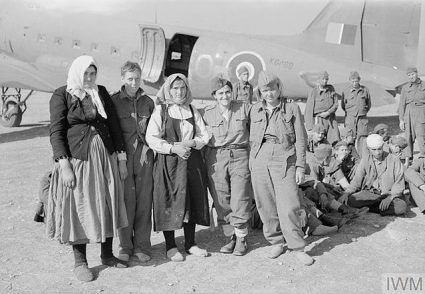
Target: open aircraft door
{"x": 152, "y": 52}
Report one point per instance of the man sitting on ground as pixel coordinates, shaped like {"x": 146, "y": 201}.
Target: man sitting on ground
{"x": 318, "y": 136}
{"x": 342, "y": 167}
{"x": 315, "y": 189}
{"x": 378, "y": 182}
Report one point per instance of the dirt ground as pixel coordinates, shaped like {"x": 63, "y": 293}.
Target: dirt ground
{"x": 353, "y": 260}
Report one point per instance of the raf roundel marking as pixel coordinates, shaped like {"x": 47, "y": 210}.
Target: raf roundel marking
{"x": 252, "y": 60}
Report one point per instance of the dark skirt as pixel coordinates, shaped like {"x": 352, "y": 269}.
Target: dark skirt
{"x": 180, "y": 191}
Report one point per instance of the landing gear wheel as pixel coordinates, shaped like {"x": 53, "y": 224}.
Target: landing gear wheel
{"x": 12, "y": 115}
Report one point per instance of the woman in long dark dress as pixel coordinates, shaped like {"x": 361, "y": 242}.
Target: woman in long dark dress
{"x": 177, "y": 132}
{"x": 86, "y": 200}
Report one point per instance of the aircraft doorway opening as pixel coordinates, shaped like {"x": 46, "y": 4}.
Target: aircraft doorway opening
{"x": 178, "y": 54}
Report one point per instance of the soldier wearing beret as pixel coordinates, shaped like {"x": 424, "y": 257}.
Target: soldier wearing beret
{"x": 318, "y": 136}
{"x": 356, "y": 103}
{"x": 411, "y": 111}
{"x": 243, "y": 90}
{"x": 226, "y": 157}
{"x": 322, "y": 103}
{"x": 277, "y": 160}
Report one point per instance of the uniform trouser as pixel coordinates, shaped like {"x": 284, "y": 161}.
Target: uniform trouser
{"x": 138, "y": 188}
{"x": 358, "y": 124}
{"x": 313, "y": 195}
{"x": 276, "y": 195}
{"x": 417, "y": 194}
{"x": 331, "y": 127}
{"x": 366, "y": 198}
{"x": 414, "y": 120}
{"x": 313, "y": 213}
{"x": 230, "y": 184}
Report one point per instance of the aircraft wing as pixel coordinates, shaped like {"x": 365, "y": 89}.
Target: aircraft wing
{"x": 16, "y": 73}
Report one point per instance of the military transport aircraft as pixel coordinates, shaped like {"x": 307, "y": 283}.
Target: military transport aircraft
{"x": 40, "y": 38}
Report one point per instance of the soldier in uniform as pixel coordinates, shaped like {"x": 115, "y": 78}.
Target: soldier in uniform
{"x": 277, "y": 160}
{"x": 322, "y": 103}
{"x": 411, "y": 111}
{"x": 242, "y": 89}
{"x": 322, "y": 194}
{"x": 226, "y": 157}
{"x": 318, "y": 136}
{"x": 397, "y": 144}
{"x": 355, "y": 101}
{"x": 342, "y": 167}
{"x": 348, "y": 137}
{"x": 134, "y": 109}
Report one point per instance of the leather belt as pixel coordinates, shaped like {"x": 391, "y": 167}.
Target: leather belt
{"x": 271, "y": 140}
{"x": 233, "y": 146}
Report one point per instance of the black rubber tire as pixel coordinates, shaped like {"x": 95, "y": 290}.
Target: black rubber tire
{"x": 15, "y": 116}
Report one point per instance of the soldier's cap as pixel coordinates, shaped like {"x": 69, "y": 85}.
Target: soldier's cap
{"x": 218, "y": 82}
{"x": 354, "y": 76}
{"x": 374, "y": 141}
{"x": 345, "y": 132}
{"x": 411, "y": 69}
{"x": 266, "y": 78}
{"x": 322, "y": 151}
{"x": 319, "y": 129}
{"x": 340, "y": 144}
{"x": 399, "y": 141}
{"x": 242, "y": 70}
{"x": 379, "y": 127}
{"x": 324, "y": 75}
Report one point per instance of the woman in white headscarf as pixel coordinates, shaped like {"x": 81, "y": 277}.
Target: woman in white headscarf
{"x": 86, "y": 200}
{"x": 177, "y": 132}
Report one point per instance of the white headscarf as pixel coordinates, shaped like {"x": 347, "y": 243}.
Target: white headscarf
{"x": 164, "y": 95}
{"x": 75, "y": 82}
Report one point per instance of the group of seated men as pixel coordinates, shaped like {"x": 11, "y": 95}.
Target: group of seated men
{"x": 350, "y": 181}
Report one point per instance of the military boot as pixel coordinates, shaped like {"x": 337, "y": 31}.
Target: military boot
{"x": 229, "y": 247}
{"x": 241, "y": 246}
{"x": 333, "y": 220}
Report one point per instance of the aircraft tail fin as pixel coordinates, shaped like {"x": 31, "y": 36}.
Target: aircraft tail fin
{"x": 337, "y": 27}
{"x": 374, "y": 32}
{"x": 338, "y": 21}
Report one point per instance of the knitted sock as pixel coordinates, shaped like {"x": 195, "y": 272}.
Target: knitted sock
{"x": 189, "y": 235}
{"x": 106, "y": 249}
{"x": 79, "y": 254}
{"x": 170, "y": 241}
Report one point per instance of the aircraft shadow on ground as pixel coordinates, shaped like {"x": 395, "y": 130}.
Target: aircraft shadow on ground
{"x": 35, "y": 130}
